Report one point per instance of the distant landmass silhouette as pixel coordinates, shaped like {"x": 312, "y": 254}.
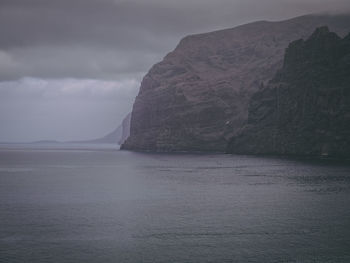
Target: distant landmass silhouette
{"x": 118, "y": 136}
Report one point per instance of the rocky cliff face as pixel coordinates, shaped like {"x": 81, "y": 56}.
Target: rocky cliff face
{"x": 305, "y": 109}
{"x": 196, "y": 99}
{"x": 125, "y": 129}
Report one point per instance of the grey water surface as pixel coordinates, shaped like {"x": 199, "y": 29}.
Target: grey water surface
{"x": 104, "y": 205}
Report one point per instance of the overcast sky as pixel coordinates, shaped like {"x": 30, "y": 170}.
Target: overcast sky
{"x": 70, "y": 69}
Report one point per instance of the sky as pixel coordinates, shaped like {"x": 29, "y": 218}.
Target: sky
{"x": 70, "y": 69}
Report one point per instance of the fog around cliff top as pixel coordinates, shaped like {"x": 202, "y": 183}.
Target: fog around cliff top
{"x": 104, "y": 47}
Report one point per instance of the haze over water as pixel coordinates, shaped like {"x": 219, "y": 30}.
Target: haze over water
{"x": 104, "y": 205}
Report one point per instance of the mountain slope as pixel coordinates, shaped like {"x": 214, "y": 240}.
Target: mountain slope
{"x": 305, "y": 109}
{"x": 118, "y": 136}
{"x": 196, "y": 99}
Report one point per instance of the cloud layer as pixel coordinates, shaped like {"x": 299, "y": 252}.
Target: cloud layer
{"x": 105, "y": 38}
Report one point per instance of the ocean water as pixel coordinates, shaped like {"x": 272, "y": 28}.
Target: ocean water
{"x": 104, "y": 205}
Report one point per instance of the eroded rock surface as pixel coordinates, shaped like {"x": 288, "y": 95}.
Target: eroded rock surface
{"x": 196, "y": 99}
{"x": 305, "y": 109}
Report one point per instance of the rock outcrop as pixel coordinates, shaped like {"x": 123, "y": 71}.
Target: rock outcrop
{"x": 196, "y": 99}
{"x": 305, "y": 108}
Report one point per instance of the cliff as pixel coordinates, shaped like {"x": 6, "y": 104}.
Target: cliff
{"x": 196, "y": 99}
{"x": 125, "y": 129}
{"x": 305, "y": 108}
{"x": 118, "y": 136}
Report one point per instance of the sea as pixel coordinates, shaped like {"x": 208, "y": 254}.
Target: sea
{"x": 95, "y": 203}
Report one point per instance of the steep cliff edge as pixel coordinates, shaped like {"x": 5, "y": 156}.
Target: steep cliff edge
{"x": 125, "y": 129}
{"x": 305, "y": 108}
{"x": 118, "y": 136}
{"x": 196, "y": 99}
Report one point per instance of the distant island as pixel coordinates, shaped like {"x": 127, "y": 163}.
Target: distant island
{"x": 117, "y": 136}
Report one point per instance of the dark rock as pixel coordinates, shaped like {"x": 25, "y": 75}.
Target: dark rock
{"x": 305, "y": 109}
{"x": 196, "y": 99}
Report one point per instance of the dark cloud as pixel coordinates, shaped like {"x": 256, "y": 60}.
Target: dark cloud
{"x": 142, "y": 31}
